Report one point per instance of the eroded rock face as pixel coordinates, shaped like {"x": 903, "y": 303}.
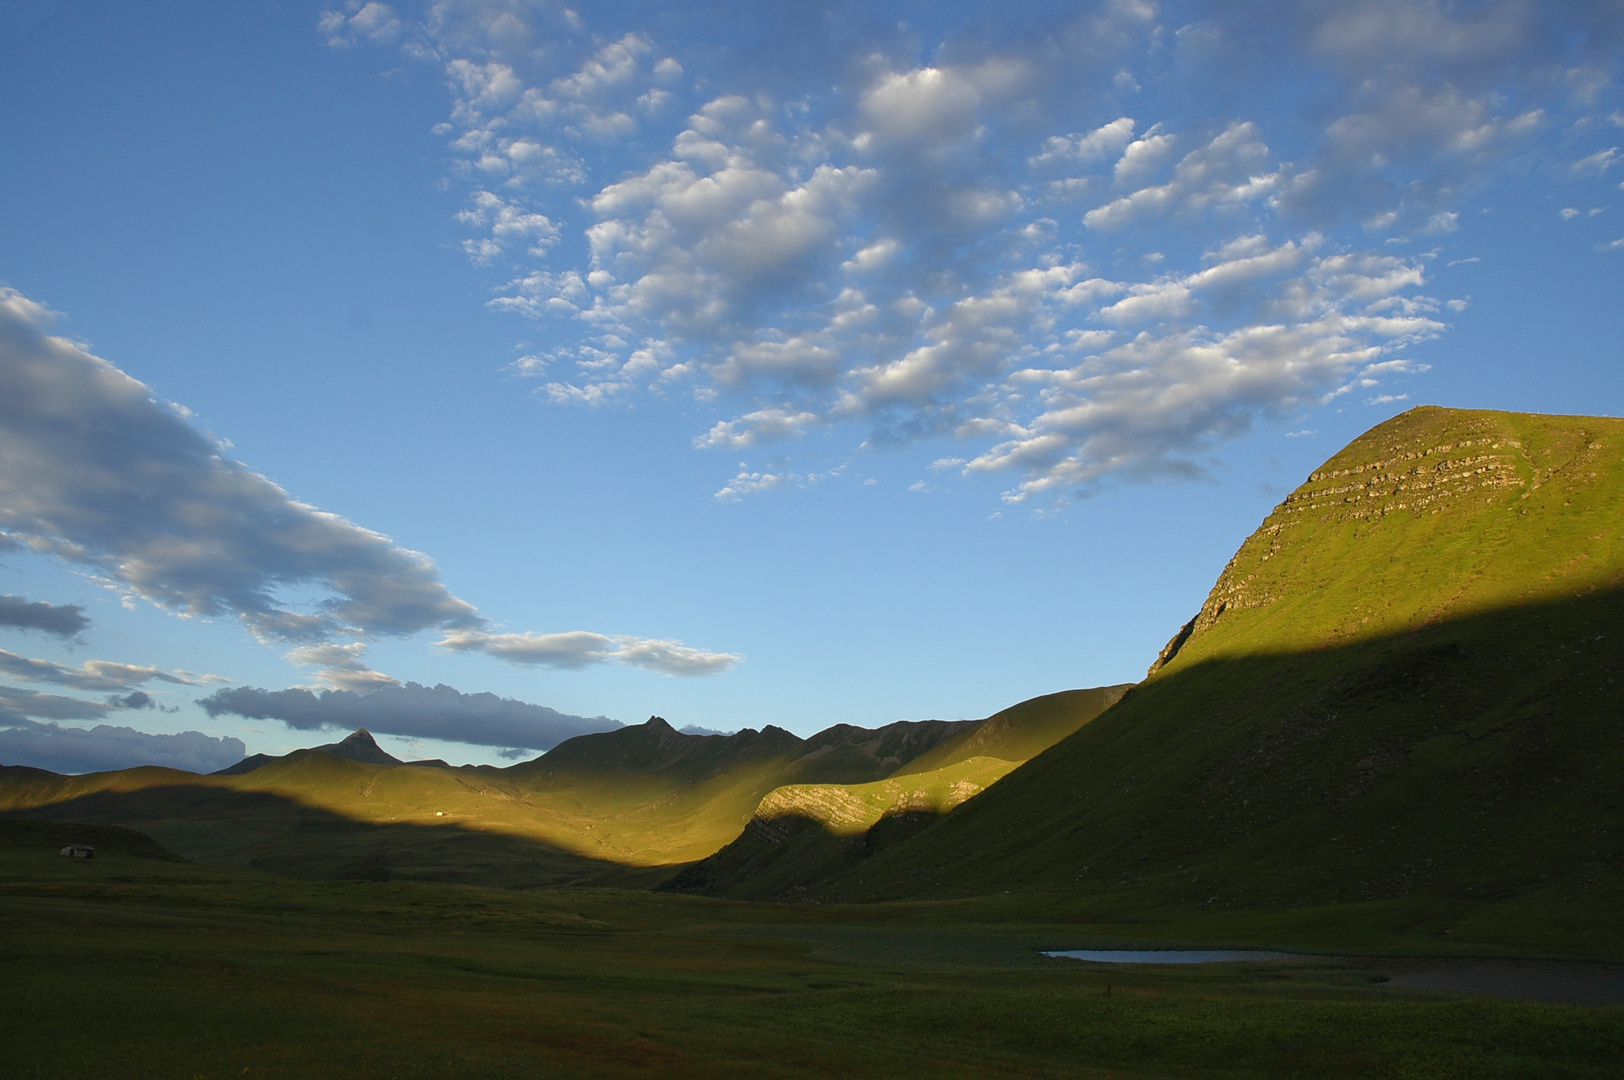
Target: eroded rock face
{"x": 849, "y": 809}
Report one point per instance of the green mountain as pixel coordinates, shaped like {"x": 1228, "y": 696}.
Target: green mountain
{"x": 1406, "y": 683}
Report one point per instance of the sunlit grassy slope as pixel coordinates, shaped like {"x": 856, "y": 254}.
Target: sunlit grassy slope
{"x": 1406, "y": 682}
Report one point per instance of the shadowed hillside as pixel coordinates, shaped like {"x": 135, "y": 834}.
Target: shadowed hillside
{"x": 1407, "y": 680}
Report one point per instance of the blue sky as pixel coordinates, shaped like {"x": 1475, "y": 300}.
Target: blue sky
{"x": 478, "y": 371}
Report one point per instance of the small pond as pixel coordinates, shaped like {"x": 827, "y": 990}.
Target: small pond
{"x": 1172, "y": 956}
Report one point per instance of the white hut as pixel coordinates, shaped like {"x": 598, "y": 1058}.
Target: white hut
{"x": 78, "y": 851}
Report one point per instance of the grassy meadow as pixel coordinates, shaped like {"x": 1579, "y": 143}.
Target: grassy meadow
{"x": 132, "y": 966}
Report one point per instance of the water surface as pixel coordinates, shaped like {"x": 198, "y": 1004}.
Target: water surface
{"x": 1171, "y": 956}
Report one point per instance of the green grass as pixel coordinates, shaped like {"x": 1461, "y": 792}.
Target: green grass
{"x": 133, "y": 967}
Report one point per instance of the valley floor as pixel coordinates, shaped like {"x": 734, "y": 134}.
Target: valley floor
{"x": 127, "y": 966}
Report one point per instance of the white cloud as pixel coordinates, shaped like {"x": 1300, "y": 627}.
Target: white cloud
{"x": 1596, "y": 164}
{"x": 1088, "y": 148}
{"x": 91, "y": 675}
{"x": 342, "y": 667}
{"x": 1143, "y": 156}
{"x": 1140, "y": 406}
{"x": 573, "y": 649}
{"x": 508, "y": 224}
{"x": 873, "y": 257}
{"x": 580, "y": 648}
{"x": 933, "y": 109}
{"x": 373, "y": 23}
{"x": 752, "y": 483}
{"x": 672, "y": 657}
{"x": 1228, "y": 171}
{"x": 751, "y": 428}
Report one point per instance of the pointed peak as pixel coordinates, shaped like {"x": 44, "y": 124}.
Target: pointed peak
{"x": 359, "y": 745}
{"x": 658, "y": 723}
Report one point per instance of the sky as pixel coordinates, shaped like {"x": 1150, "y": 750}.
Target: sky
{"x": 487, "y": 372}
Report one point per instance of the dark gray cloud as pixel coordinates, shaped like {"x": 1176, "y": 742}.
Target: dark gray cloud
{"x": 413, "y": 710}
{"x": 103, "y": 748}
{"x": 17, "y": 704}
{"x": 97, "y": 472}
{"x": 63, "y": 620}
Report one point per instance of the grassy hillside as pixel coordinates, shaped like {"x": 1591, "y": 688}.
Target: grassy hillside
{"x": 1406, "y": 682}
{"x": 803, "y": 833}
{"x": 612, "y": 807}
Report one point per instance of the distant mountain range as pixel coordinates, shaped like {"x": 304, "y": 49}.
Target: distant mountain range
{"x": 626, "y": 806}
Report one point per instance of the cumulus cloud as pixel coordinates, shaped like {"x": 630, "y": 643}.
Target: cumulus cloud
{"x": 373, "y": 22}
{"x": 1228, "y": 170}
{"x": 104, "y": 748}
{"x": 580, "y": 648}
{"x": 1088, "y": 148}
{"x": 508, "y": 225}
{"x": 62, "y": 620}
{"x": 413, "y": 711}
{"x": 747, "y": 483}
{"x": 948, "y": 239}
